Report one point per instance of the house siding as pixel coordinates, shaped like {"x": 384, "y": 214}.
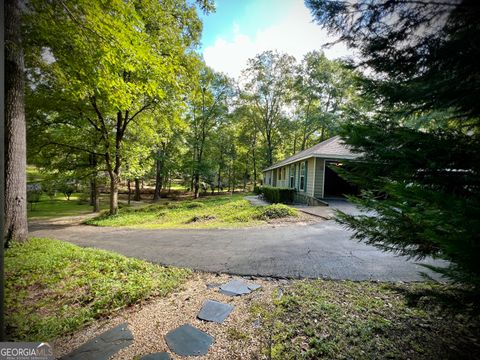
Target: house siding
{"x": 319, "y": 173}
{"x": 315, "y": 170}
{"x": 310, "y": 176}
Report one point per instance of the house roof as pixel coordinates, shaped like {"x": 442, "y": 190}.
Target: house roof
{"x": 333, "y": 148}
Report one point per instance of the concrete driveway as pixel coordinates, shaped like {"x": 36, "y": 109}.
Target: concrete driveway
{"x": 321, "y": 250}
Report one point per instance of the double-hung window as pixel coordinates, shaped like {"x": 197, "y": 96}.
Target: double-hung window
{"x": 292, "y": 176}
{"x": 302, "y": 175}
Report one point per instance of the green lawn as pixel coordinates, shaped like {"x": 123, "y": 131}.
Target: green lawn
{"x": 215, "y": 211}
{"x": 60, "y": 206}
{"x": 53, "y": 287}
{"x": 365, "y": 320}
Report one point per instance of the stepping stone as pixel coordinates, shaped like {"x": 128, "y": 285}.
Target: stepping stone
{"x": 228, "y": 293}
{"x": 214, "y": 311}
{"x": 238, "y": 287}
{"x": 157, "y": 356}
{"x": 104, "y": 345}
{"x": 187, "y": 340}
{"x": 212, "y": 285}
{"x": 253, "y": 287}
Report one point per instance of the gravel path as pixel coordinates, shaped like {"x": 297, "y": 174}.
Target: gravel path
{"x": 149, "y": 321}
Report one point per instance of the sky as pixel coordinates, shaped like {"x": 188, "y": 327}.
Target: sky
{"x": 240, "y": 29}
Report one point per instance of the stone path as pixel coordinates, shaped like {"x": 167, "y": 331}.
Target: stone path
{"x": 185, "y": 340}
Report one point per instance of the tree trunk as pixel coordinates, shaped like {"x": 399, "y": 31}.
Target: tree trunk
{"x": 94, "y": 195}
{"x": 137, "y": 196}
{"x": 269, "y": 150}
{"x": 196, "y": 185}
{"x": 96, "y": 205}
{"x": 219, "y": 178}
{"x": 129, "y": 192}
{"x": 16, "y": 228}
{"x": 254, "y": 158}
{"x": 158, "y": 178}
{"x": 114, "y": 180}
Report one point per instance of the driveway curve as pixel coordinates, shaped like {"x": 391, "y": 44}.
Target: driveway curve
{"x": 321, "y": 250}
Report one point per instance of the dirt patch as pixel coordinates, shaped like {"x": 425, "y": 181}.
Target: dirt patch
{"x": 237, "y": 338}
{"x": 201, "y": 218}
{"x": 301, "y": 219}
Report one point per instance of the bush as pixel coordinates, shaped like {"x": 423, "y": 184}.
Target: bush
{"x": 277, "y": 195}
{"x": 276, "y": 211}
{"x": 257, "y": 190}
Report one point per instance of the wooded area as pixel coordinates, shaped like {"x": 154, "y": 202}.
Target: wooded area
{"x": 103, "y": 99}
{"x": 119, "y": 92}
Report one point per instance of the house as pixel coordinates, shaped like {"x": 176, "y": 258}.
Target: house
{"x": 309, "y": 172}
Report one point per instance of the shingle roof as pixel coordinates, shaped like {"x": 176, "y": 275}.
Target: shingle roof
{"x": 332, "y": 148}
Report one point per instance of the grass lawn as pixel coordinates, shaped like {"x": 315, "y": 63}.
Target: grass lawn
{"x": 215, "y": 211}
{"x": 53, "y": 287}
{"x": 364, "y": 320}
{"x": 60, "y": 206}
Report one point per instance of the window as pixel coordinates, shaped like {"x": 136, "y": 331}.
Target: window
{"x": 292, "y": 176}
{"x": 284, "y": 173}
{"x": 302, "y": 175}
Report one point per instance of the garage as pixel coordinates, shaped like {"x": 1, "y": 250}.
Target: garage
{"x": 335, "y": 186}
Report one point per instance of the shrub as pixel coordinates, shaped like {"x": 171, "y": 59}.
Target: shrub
{"x": 277, "y": 195}
{"x": 257, "y": 190}
{"x": 276, "y": 211}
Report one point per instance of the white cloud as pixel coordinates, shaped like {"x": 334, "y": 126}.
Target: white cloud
{"x": 295, "y": 35}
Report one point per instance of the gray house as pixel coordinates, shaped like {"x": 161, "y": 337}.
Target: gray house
{"x": 309, "y": 172}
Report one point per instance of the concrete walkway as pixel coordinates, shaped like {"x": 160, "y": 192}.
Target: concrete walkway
{"x": 322, "y": 250}
{"x": 256, "y": 201}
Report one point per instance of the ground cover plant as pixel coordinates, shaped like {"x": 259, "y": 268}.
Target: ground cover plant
{"x": 365, "y": 320}
{"x": 215, "y": 211}
{"x": 53, "y": 287}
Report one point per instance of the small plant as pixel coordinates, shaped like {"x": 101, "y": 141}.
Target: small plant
{"x": 276, "y": 211}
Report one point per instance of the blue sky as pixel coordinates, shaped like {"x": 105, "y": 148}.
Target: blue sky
{"x": 240, "y": 29}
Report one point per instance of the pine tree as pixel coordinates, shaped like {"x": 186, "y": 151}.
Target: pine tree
{"x": 420, "y": 160}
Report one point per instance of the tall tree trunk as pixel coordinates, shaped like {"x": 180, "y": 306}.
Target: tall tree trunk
{"x": 129, "y": 192}
{"x": 219, "y": 178}
{"x": 196, "y": 185}
{"x": 96, "y": 204}
{"x": 114, "y": 181}
{"x": 269, "y": 150}
{"x": 158, "y": 177}
{"x": 94, "y": 195}
{"x": 137, "y": 196}
{"x": 254, "y": 160}
{"x": 16, "y": 228}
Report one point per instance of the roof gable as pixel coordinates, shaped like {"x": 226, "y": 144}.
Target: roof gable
{"x": 333, "y": 148}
